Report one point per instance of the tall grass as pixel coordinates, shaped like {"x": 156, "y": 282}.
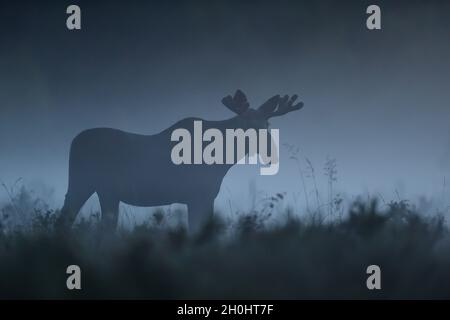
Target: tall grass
{"x": 296, "y": 258}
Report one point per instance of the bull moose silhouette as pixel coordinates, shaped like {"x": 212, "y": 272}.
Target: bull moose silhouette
{"x": 137, "y": 169}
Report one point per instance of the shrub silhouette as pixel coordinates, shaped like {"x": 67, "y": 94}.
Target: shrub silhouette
{"x": 295, "y": 259}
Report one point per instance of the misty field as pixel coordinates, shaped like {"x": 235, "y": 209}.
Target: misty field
{"x": 297, "y": 258}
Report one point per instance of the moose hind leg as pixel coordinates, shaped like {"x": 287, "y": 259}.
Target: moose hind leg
{"x": 110, "y": 213}
{"x": 72, "y": 205}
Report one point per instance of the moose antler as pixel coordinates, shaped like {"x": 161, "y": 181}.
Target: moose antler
{"x": 238, "y": 104}
{"x": 285, "y": 105}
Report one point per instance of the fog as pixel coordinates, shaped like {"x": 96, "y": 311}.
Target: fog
{"x": 376, "y": 101}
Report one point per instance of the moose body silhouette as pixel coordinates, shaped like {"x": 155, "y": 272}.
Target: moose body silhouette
{"x": 137, "y": 169}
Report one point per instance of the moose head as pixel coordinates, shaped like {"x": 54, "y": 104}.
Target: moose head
{"x": 258, "y": 119}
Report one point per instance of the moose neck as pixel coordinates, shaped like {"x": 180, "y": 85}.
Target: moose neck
{"x": 235, "y": 137}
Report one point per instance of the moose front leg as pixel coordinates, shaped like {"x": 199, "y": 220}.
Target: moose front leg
{"x": 198, "y": 214}
{"x": 110, "y": 213}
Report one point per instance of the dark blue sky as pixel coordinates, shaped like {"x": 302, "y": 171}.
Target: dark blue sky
{"x": 377, "y": 101}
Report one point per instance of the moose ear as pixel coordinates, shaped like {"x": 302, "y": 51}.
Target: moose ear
{"x": 270, "y": 105}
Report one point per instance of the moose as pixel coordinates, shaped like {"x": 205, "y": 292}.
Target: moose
{"x": 137, "y": 169}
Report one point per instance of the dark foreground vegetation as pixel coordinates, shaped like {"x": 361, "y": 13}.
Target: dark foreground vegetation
{"x": 299, "y": 258}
